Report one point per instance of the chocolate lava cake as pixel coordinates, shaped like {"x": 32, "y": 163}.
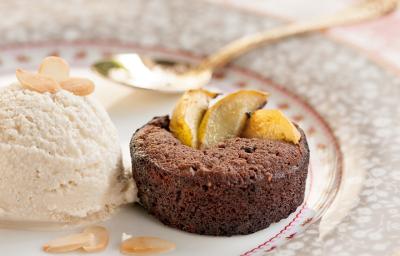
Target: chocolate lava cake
{"x": 239, "y": 186}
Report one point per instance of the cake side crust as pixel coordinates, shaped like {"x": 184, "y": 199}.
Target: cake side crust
{"x": 238, "y": 187}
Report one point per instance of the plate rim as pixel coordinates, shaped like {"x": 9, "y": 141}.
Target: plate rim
{"x": 196, "y": 57}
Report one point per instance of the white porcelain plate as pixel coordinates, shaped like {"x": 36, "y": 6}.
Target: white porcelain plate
{"x": 130, "y": 109}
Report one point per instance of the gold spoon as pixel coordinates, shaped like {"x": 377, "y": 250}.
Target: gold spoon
{"x": 169, "y": 76}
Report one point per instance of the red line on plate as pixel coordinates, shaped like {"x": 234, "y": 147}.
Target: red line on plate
{"x": 290, "y": 224}
{"x": 277, "y": 235}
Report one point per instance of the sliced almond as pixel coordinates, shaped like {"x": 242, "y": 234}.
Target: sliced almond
{"x": 37, "y": 82}
{"x": 78, "y": 86}
{"x": 146, "y": 245}
{"x": 69, "y": 243}
{"x": 100, "y": 240}
{"x": 55, "y": 67}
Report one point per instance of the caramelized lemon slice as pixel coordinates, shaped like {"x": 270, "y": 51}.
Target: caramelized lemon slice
{"x": 227, "y": 118}
{"x": 187, "y": 115}
{"x": 271, "y": 124}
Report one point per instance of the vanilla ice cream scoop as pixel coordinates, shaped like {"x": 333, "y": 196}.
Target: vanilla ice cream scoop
{"x": 60, "y": 159}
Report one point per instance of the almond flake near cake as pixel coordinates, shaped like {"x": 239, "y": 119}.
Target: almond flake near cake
{"x": 242, "y": 181}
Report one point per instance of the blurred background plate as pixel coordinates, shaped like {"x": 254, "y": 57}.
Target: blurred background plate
{"x": 354, "y": 96}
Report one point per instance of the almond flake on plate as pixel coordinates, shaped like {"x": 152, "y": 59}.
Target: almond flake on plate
{"x": 100, "y": 240}
{"x": 146, "y": 245}
{"x": 69, "y": 243}
{"x": 92, "y": 239}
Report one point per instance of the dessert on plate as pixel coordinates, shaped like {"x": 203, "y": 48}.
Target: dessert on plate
{"x": 232, "y": 168}
{"x": 60, "y": 157}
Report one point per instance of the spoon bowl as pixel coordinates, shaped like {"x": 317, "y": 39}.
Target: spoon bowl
{"x": 138, "y": 71}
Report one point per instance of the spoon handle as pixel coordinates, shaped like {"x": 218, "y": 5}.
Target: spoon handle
{"x": 365, "y": 10}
